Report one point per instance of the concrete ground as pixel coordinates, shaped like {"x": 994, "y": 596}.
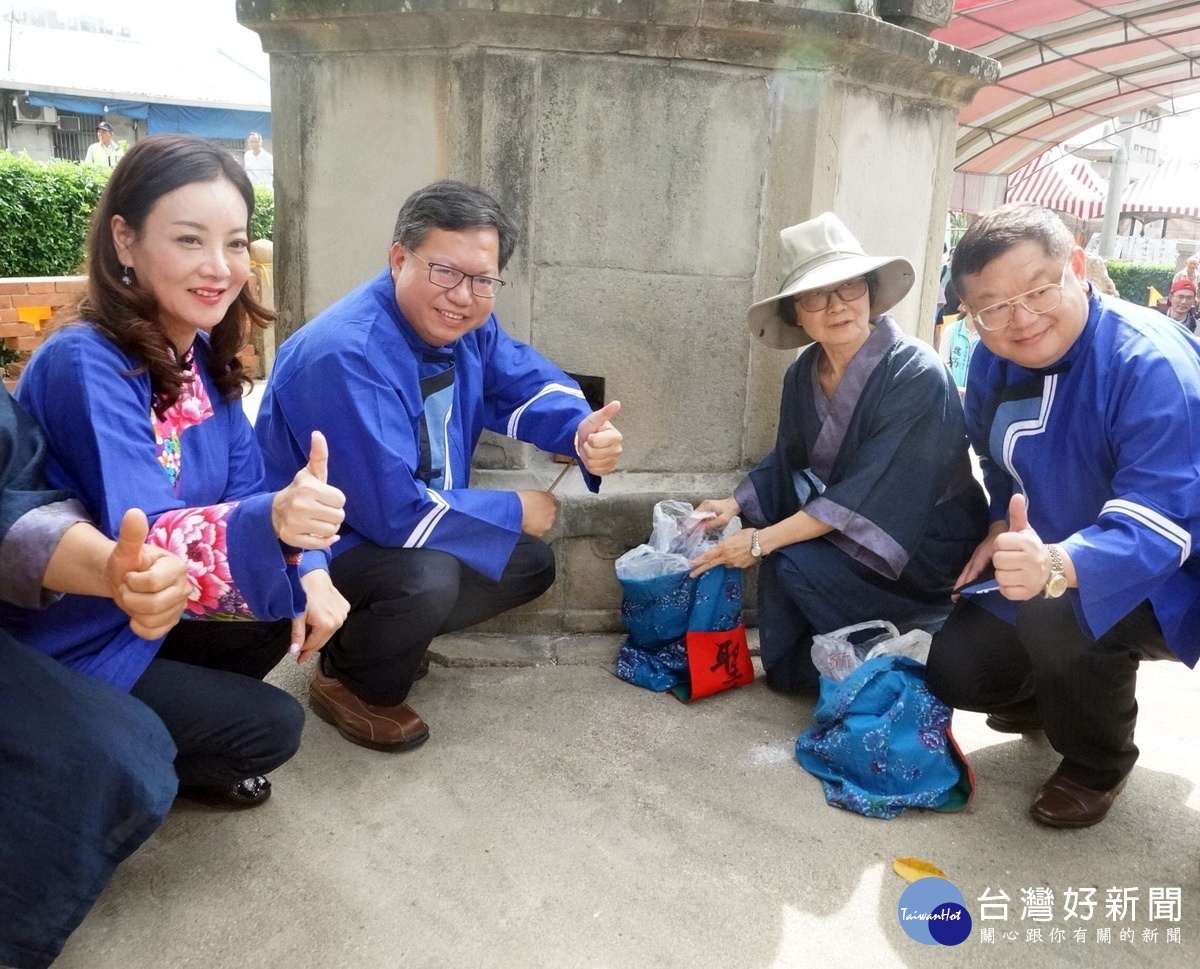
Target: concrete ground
{"x": 559, "y": 817}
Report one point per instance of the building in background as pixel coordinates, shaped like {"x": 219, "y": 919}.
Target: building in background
{"x": 61, "y": 76}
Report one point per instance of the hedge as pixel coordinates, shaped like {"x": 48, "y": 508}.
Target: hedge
{"x": 262, "y": 223}
{"x": 44, "y": 212}
{"x": 1134, "y": 279}
{"x": 45, "y": 208}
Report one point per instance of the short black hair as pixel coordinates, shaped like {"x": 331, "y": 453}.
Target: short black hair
{"x": 453, "y": 206}
{"x": 1002, "y": 229}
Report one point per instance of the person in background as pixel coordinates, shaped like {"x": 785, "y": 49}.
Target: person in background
{"x": 258, "y": 162}
{"x": 405, "y": 373}
{"x": 1181, "y": 304}
{"x": 105, "y": 151}
{"x": 1097, "y": 275}
{"x": 139, "y": 399}
{"x": 866, "y": 508}
{"x": 86, "y": 771}
{"x": 958, "y": 341}
{"x": 1085, "y": 413}
{"x": 943, "y": 277}
{"x": 1190, "y": 272}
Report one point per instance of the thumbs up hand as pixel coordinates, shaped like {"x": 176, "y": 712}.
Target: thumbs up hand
{"x": 148, "y": 583}
{"x": 1021, "y": 561}
{"x": 318, "y": 457}
{"x": 597, "y": 442}
{"x": 309, "y": 511}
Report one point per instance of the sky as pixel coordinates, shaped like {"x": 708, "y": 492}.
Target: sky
{"x": 1181, "y": 134}
{"x": 165, "y": 21}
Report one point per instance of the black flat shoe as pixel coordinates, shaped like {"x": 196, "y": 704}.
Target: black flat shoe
{"x": 1022, "y": 717}
{"x": 250, "y": 792}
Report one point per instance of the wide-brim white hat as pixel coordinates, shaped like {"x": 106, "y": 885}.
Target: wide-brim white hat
{"x": 818, "y": 254}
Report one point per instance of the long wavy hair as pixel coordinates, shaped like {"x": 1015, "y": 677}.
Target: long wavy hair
{"x": 128, "y": 313}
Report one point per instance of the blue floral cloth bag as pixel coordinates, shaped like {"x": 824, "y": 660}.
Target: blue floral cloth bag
{"x": 655, "y": 611}
{"x": 685, "y": 635}
{"x": 675, "y": 624}
{"x": 882, "y": 743}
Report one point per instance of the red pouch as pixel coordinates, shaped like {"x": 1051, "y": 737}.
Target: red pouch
{"x": 716, "y": 661}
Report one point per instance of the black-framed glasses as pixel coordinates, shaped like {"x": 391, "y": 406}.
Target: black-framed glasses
{"x": 816, "y": 300}
{"x": 447, "y": 277}
{"x": 1044, "y": 299}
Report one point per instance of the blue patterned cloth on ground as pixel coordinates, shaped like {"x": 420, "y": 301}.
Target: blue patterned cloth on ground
{"x": 882, "y": 743}
{"x": 659, "y": 611}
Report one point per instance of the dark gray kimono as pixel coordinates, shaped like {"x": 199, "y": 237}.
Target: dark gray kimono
{"x": 885, "y": 463}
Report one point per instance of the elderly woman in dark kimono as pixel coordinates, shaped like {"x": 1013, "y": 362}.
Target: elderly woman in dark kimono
{"x": 866, "y": 508}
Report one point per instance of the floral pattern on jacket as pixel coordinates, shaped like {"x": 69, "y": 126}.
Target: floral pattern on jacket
{"x": 196, "y": 535}
{"x": 191, "y": 408}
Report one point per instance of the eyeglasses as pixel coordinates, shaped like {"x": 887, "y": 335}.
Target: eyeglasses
{"x": 816, "y": 300}
{"x": 447, "y": 277}
{"x": 1044, "y": 299}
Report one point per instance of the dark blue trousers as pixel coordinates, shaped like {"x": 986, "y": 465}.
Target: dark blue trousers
{"x": 814, "y": 587}
{"x": 86, "y": 775}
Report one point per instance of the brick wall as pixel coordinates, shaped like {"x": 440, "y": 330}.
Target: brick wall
{"x": 27, "y": 294}
{"x": 22, "y": 296}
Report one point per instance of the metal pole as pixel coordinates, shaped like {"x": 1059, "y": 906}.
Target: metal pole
{"x": 1117, "y": 177}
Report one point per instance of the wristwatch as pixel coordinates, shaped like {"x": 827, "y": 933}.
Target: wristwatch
{"x": 1056, "y": 585}
{"x": 755, "y": 548}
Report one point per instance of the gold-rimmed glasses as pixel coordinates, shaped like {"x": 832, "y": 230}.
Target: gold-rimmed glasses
{"x": 1043, "y": 299}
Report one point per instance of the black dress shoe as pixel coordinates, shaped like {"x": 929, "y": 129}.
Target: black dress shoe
{"x": 250, "y": 792}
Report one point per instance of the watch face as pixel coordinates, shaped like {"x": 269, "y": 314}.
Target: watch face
{"x": 1057, "y": 585}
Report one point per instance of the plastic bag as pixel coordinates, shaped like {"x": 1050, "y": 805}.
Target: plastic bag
{"x": 668, "y": 614}
{"x": 841, "y": 652}
{"x": 677, "y": 536}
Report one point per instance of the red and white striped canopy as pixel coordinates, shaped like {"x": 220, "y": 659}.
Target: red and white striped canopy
{"x": 1066, "y": 66}
{"x": 1172, "y": 189}
{"x": 1067, "y": 185}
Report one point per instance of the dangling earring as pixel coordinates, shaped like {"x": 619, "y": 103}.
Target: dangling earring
{"x": 127, "y": 275}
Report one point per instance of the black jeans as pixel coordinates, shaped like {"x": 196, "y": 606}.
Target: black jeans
{"x": 1084, "y": 688}
{"x": 401, "y": 598}
{"x": 206, "y": 685}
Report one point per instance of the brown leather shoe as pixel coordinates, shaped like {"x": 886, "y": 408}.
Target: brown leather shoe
{"x": 1061, "y": 803}
{"x": 395, "y": 727}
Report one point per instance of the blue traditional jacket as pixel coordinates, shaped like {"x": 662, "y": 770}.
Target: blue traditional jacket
{"x": 196, "y": 472}
{"x": 1105, "y": 445}
{"x": 403, "y": 418}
